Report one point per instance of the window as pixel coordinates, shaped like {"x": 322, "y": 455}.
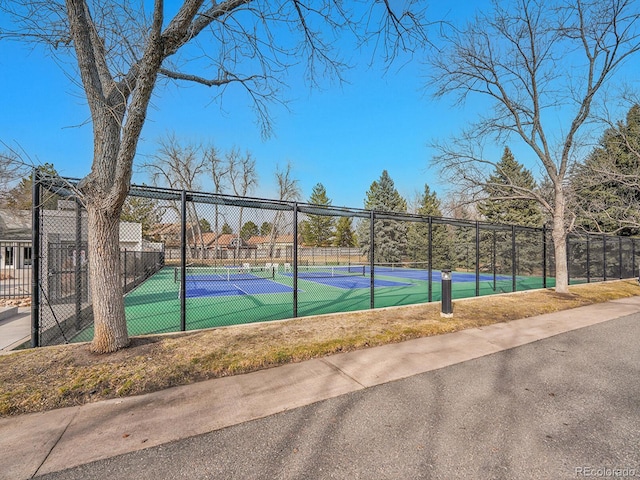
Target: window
{"x": 27, "y": 256}
{"x": 8, "y": 256}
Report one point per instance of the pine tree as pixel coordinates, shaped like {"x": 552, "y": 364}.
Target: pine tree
{"x": 317, "y": 230}
{"x": 504, "y": 202}
{"x": 390, "y": 235}
{"x": 248, "y": 230}
{"x": 145, "y": 211}
{"x": 20, "y": 196}
{"x": 265, "y": 228}
{"x": 344, "y": 235}
{"x": 418, "y": 234}
{"x": 607, "y": 197}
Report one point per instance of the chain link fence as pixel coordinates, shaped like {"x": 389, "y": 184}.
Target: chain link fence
{"x": 195, "y": 260}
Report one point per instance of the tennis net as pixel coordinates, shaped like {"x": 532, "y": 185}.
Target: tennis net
{"x": 402, "y": 266}
{"x": 328, "y": 271}
{"x": 224, "y": 274}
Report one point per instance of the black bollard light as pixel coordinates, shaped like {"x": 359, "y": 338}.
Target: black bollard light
{"x": 447, "y": 308}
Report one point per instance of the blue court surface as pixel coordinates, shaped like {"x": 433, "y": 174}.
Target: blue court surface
{"x": 418, "y": 274}
{"x": 349, "y": 283}
{"x": 223, "y": 288}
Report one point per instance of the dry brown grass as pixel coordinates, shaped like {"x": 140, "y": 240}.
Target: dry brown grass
{"x": 53, "y": 377}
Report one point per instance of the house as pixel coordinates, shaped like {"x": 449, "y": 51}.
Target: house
{"x": 15, "y": 239}
{"x": 58, "y": 227}
{"x": 280, "y": 247}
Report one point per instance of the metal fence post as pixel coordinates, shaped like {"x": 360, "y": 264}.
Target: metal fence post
{"x": 568, "y": 248}
{"x": 513, "y": 258}
{"x": 604, "y": 258}
{"x": 295, "y": 259}
{"x": 77, "y": 267}
{"x": 477, "y": 259}
{"x": 124, "y": 268}
{"x": 633, "y": 257}
{"x": 544, "y": 256}
{"x": 588, "y": 259}
{"x": 494, "y": 259}
{"x": 430, "y": 260}
{"x": 371, "y": 260}
{"x": 620, "y": 256}
{"x": 183, "y": 261}
{"x": 35, "y": 259}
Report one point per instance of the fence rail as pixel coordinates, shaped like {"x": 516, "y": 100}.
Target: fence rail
{"x": 318, "y": 259}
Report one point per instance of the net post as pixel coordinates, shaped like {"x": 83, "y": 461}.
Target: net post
{"x": 183, "y": 260}
{"x": 35, "y": 259}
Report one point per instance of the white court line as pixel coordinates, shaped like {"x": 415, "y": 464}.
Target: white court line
{"x": 238, "y": 288}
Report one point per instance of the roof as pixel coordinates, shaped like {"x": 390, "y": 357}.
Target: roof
{"x": 15, "y": 225}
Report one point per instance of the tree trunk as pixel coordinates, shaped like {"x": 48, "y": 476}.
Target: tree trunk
{"x": 559, "y": 234}
{"x": 104, "y": 273}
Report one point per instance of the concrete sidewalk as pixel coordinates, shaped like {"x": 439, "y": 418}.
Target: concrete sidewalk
{"x": 15, "y": 329}
{"x": 52, "y": 441}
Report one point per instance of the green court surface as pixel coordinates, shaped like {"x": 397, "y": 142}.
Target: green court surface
{"x": 154, "y": 306}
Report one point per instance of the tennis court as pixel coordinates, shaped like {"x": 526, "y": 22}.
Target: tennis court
{"x": 223, "y": 296}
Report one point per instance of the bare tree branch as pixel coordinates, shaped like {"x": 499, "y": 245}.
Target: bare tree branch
{"x": 511, "y": 56}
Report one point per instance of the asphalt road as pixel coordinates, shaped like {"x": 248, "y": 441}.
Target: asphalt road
{"x": 564, "y": 407}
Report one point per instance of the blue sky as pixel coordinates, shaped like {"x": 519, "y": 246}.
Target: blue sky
{"x": 342, "y": 136}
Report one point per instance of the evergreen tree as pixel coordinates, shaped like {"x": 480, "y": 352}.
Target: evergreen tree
{"x": 20, "y": 196}
{"x": 607, "y": 196}
{"x": 205, "y": 225}
{"x": 418, "y": 234}
{"x": 248, "y": 230}
{"x": 390, "y": 235}
{"x": 344, "y": 236}
{"x": 226, "y": 229}
{"x": 143, "y": 210}
{"x": 265, "y": 228}
{"x": 317, "y": 230}
{"x": 505, "y": 202}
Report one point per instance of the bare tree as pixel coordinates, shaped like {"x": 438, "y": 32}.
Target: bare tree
{"x": 180, "y": 167}
{"x": 11, "y": 170}
{"x": 533, "y": 61}
{"x": 219, "y": 170}
{"x": 121, "y": 50}
{"x": 243, "y": 179}
{"x": 288, "y": 191}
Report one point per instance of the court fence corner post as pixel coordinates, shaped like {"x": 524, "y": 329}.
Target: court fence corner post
{"x": 447, "y": 307}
